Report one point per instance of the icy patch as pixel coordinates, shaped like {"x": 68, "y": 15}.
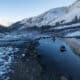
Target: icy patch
{"x": 6, "y": 55}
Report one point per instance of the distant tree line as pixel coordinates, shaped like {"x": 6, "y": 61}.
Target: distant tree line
{"x": 76, "y": 19}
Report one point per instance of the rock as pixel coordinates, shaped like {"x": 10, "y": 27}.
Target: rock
{"x": 62, "y": 48}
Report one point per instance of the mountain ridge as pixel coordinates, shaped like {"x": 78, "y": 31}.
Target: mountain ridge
{"x": 60, "y": 15}
{"x": 60, "y": 20}
{"x": 44, "y": 18}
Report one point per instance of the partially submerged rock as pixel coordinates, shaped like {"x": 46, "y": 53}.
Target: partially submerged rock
{"x": 62, "y": 48}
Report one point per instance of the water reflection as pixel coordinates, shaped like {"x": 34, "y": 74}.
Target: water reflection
{"x": 59, "y": 58}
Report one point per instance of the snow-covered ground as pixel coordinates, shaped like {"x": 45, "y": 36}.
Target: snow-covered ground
{"x": 6, "y": 56}
{"x": 77, "y": 33}
{"x": 74, "y": 44}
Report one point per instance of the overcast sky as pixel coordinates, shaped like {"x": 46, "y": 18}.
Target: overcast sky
{"x": 15, "y": 10}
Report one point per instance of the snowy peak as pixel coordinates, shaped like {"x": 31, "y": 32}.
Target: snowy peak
{"x": 75, "y": 6}
{"x": 64, "y": 15}
{"x": 45, "y": 18}
{"x": 72, "y": 12}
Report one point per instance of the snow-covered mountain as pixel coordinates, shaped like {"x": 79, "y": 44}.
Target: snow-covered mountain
{"x": 73, "y": 13}
{"x": 63, "y": 18}
{"x": 43, "y": 19}
{"x": 47, "y": 17}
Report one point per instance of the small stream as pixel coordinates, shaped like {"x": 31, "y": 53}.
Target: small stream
{"x": 64, "y": 63}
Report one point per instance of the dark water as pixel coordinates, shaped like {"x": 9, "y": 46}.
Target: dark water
{"x": 64, "y": 63}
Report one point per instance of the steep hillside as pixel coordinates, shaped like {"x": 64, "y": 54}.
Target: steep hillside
{"x": 43, "y": 19}
{"x": 62, "y": 20}
{"x": 73, "y": 14}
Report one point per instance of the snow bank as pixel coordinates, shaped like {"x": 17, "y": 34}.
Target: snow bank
{"x": 77, "y": 33}
{"x": 74, "y": 44}
{"x": 5, "y": 61}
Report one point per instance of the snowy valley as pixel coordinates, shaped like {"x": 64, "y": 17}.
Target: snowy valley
{"x": 19, "y": 41}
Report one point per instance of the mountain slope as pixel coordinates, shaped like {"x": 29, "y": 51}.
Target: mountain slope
{"x": 62, "y": 15}
{"x": 64, "y": 19}
{"x": 43, "y": 19}
{"x": 72, "y": 14}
